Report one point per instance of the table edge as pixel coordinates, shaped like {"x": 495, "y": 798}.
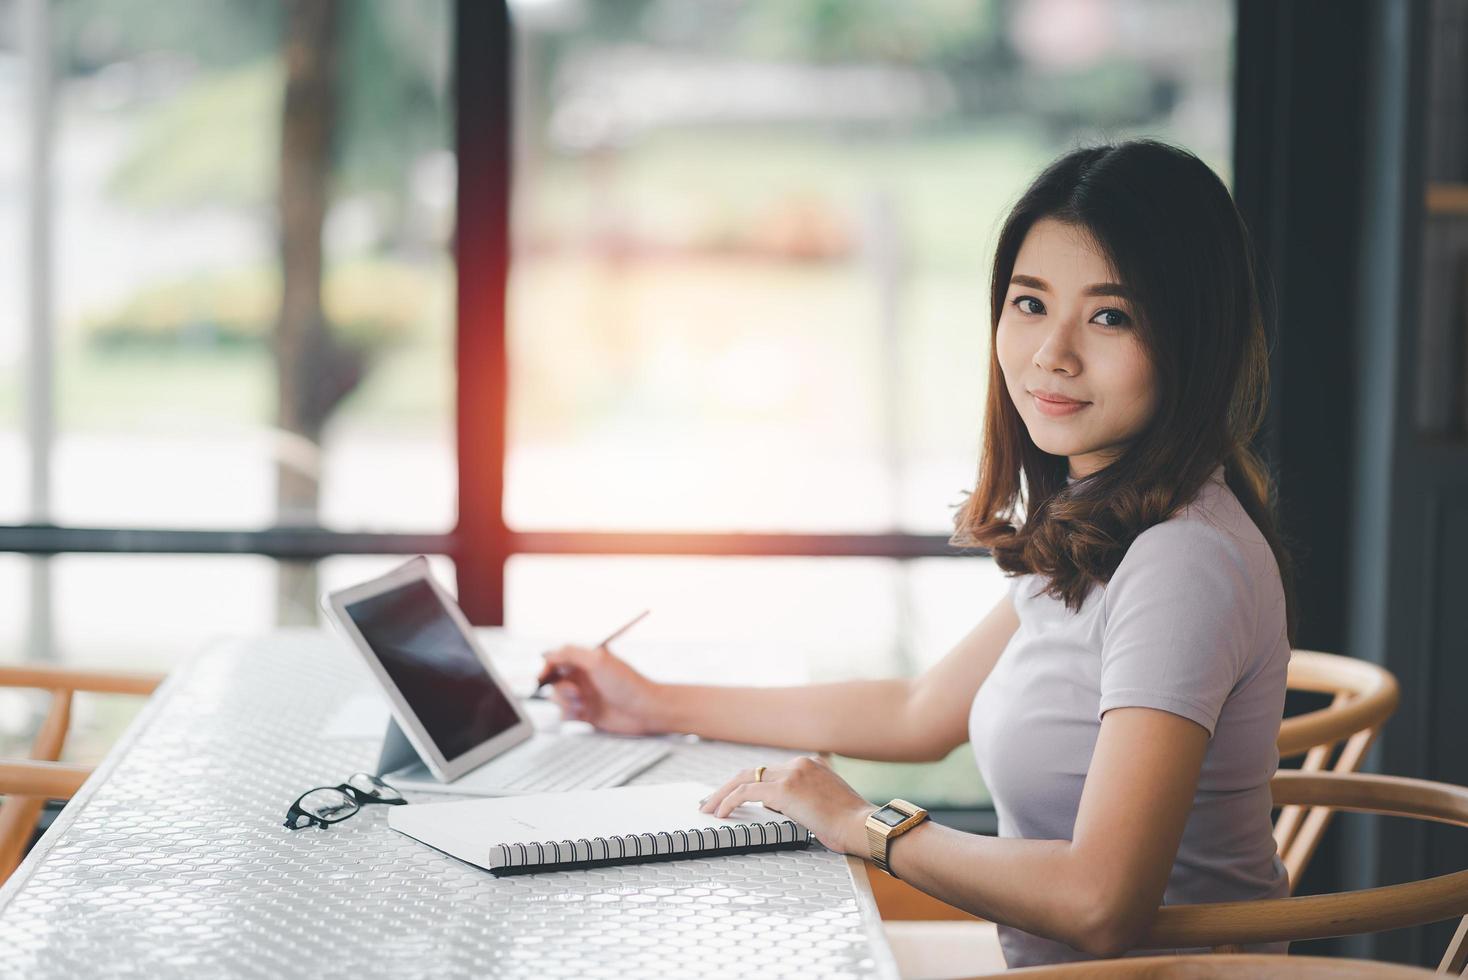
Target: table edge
{"x": 867, "y": 902}
{"x": 103, "y": 771}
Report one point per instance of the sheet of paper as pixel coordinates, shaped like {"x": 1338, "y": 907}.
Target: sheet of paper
{"x": 362, "y": 716}
{"x": 471, "y": 829}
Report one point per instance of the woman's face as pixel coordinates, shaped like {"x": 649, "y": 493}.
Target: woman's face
{"x": 1072, "y": 364}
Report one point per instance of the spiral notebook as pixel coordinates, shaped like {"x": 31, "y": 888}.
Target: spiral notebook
{"x": 591, "y": 828}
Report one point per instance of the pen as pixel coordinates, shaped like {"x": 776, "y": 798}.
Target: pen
{"x": 556, "y": 674}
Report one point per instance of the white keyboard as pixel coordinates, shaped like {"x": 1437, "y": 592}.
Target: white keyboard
{"x": 573, "y": 762}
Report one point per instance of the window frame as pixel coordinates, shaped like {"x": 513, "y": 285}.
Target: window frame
{"x": 484, "y": 51}
{"x": 481, "y": 543}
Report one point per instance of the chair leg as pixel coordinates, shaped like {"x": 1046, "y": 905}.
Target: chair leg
{"x": 18, "y": 816}
{"x": 1455, "y": 960}
{"x": 1311, "y": 829}
{"x": 1287, "y": 826}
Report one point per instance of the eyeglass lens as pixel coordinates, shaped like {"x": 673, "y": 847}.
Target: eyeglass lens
{"x": 330, "y": 805}
{"x": 369, "y": 785}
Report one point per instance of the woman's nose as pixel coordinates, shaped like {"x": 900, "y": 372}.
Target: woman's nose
{"x": 1057, "y": 352}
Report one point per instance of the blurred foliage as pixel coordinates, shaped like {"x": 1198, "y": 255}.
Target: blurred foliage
{"x": 931, "y": 33}
{"x": 91, "y": 35}
{"x": 138, "y": 389}
{"x": 215, "y": 139}
{"x": 965, "y": 43}
{"x": 217, "y": 142}
{"x": 195, "y": 91}
{"x": 925, "y": 32}
{"x": 1101, "y": 97}
{"x": 370, "y": 302}
{"x": 395, "y": 93}
{"x": 723, "y": 190}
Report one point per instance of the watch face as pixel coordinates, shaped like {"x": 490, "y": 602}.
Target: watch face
{"x": 890, "y": 817}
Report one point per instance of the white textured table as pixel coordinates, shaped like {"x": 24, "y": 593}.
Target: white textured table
{"x": 172, "y": 861}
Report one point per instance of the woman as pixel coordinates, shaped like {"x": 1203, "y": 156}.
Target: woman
{"x": 1124, "y": 697}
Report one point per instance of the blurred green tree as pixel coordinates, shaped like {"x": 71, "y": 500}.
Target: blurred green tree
{"x": 287, "y": 106}
{"x": 314, "y": 370}
{"x": 213, "y": 142}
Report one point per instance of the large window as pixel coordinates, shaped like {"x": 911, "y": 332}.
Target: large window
{"x": 744, "y": 321}
{"x": 226, "y": 306}
{"x": 168, "y": 155}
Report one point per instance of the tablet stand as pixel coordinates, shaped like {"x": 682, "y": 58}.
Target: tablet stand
{"x": 397, "y": 751}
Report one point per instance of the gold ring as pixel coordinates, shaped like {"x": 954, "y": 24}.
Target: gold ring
{"x": 759, "y": 774}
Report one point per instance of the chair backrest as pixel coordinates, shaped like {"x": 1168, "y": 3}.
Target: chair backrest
{"x": 1365, "y": 697}
{"x": 27, "y": 785}
{"x": 1225, "y": 926}
{"x": 1255, "y": 967}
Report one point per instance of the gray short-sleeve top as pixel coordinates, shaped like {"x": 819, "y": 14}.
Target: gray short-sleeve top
{"x": 1192, "y": 622}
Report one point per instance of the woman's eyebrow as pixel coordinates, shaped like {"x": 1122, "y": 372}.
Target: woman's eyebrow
{"x": 1095, "y": 289}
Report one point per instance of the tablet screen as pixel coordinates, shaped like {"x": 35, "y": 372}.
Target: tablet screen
{"x": 432, "y": 664}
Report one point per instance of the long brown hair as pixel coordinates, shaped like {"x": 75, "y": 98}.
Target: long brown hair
{"x": 1170, "y": 231}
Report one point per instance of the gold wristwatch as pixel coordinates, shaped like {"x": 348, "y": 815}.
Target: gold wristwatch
{"x": 887, "y": 823}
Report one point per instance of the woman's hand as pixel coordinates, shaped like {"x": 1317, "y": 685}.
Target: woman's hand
{"x": 807, "y": 791}
{"x": 597, "y": 686}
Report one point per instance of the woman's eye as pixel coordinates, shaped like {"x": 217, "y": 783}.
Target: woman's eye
{"x": 1018, "y": 300}
{"x": 1121, "y": 322}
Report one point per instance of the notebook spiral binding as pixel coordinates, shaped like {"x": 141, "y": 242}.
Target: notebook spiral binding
{"x": 632, "y": 848}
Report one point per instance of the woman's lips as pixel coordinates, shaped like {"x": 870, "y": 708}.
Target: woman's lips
{"x": 1056, "y": 406}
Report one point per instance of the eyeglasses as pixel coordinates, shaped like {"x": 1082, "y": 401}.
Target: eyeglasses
{"x": 326, "y": 805}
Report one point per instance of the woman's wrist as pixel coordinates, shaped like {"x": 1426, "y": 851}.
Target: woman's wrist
{"x": 856, "y": 838}
{"x": 661, "y": 708}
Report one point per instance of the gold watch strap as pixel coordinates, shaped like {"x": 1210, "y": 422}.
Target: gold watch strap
{"x": 877, "y": 848}
{"x": 880, "y": 836}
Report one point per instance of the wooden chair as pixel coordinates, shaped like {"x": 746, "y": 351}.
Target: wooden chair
{"x": 1225, "y": 926}
{"x": 1235, "y": 967}
{"x": 27, "y": 785}
{"x": 1365, "y": 697}
{"x": 926, "y": 932}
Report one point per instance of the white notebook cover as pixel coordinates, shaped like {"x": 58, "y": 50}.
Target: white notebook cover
{"x": 474, "y": 830}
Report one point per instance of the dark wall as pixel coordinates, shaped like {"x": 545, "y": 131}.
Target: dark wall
{"x": 1298, "y": 181}
{"x": 1332, "y": 129}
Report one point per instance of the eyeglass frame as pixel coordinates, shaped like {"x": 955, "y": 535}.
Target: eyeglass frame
{"x": 355, "y": 796}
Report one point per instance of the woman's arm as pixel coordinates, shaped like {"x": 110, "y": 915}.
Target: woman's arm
{"x": 1099, "y": 891}
{"x": 897, "y": 720}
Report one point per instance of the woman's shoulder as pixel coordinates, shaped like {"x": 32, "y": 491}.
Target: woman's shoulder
{"x": 1213, "y": 527}
{"x": 1208, "y": 540}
